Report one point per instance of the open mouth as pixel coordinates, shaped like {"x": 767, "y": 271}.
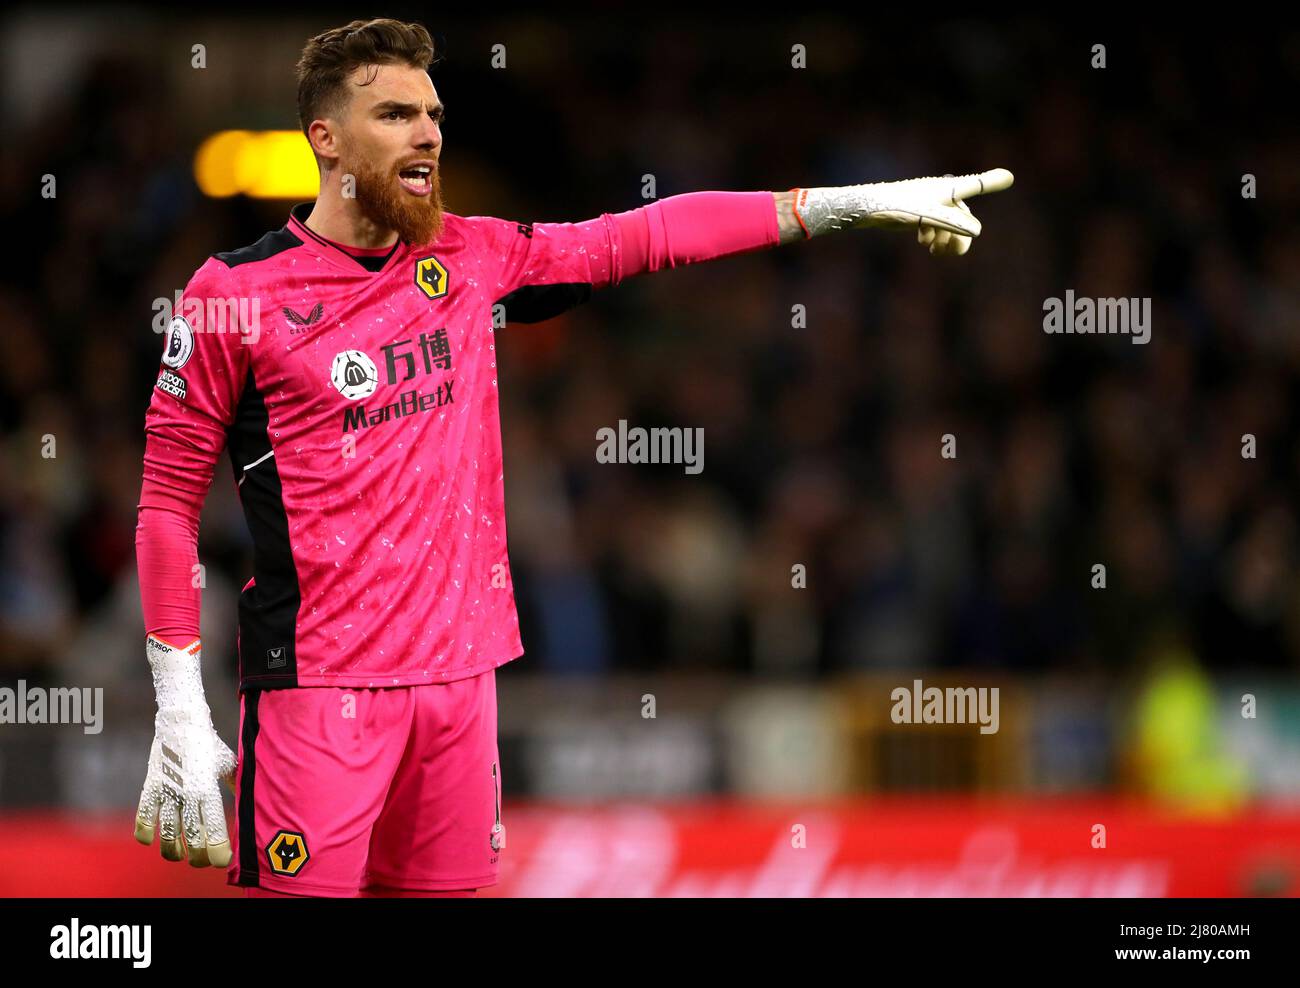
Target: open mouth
{"x": 417, "y": 179}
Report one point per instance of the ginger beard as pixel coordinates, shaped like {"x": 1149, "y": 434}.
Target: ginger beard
{"x": 383, "y": 201}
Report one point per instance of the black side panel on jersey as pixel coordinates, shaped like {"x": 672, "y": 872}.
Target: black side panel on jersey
{"x": 268, "y": 610}
{"x": 270, "y": 245}
{"x": 535, "y": 303}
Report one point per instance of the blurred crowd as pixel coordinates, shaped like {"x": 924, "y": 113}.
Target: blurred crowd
{"x": 822, "y": 441}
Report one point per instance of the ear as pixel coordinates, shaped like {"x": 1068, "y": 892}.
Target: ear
{"x": 323, "y": 137}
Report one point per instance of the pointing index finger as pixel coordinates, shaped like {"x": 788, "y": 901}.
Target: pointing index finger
{"x": 993, "y": 180}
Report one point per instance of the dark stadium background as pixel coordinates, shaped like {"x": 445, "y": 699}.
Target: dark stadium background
{"x": 1119, "y": 707}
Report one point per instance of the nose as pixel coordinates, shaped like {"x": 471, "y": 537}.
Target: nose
{"x": 429, "y": 135}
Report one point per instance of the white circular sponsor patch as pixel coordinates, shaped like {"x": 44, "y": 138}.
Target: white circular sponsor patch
{"x": 180, "y": 343}
{"x": 354, "y": 374}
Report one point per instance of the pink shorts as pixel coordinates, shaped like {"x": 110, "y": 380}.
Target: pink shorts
{"x": 341, "y": 790}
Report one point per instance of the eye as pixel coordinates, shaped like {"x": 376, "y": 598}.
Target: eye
{"x": 392, "y": 114}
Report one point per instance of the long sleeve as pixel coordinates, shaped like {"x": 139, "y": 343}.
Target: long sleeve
{"x": 538, "y": 270}
{"x": 166, "y": 551}
{"x": 694, "y": 227}
{"x": 204, "y": 364}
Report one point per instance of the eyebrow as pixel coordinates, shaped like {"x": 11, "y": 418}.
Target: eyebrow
{"x": 388, "y": 106}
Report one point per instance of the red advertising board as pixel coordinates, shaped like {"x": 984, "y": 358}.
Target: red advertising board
{"x": 888, "y": 848}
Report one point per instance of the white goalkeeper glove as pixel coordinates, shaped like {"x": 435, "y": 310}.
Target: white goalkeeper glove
{"x": 181, "y": 792}
{"x": 933, "y": 206}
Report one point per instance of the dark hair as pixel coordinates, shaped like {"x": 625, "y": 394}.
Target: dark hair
{"x": 329, "y": 58}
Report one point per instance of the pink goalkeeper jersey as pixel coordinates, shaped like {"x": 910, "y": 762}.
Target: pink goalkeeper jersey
{"x": 360, "y": 411}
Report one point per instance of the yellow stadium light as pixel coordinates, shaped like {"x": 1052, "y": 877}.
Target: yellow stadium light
{"x": 273, "y": 164}
{"x": 214, "y": 163}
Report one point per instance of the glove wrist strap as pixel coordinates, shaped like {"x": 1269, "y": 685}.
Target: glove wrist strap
{"x": 177, "y": 673}
{"x": 822, "y": 210}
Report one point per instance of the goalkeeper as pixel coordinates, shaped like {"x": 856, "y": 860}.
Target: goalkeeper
{"x": 362, "y": 423}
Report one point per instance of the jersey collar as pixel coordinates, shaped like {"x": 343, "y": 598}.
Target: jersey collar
{"x": 297, "y": 225}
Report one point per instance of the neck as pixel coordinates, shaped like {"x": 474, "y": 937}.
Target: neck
{"x": 339, "y": 218}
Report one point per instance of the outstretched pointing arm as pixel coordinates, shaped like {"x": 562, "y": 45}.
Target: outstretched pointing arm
{"x": 698, "y": 226}
{"x": 538, "y": 270}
